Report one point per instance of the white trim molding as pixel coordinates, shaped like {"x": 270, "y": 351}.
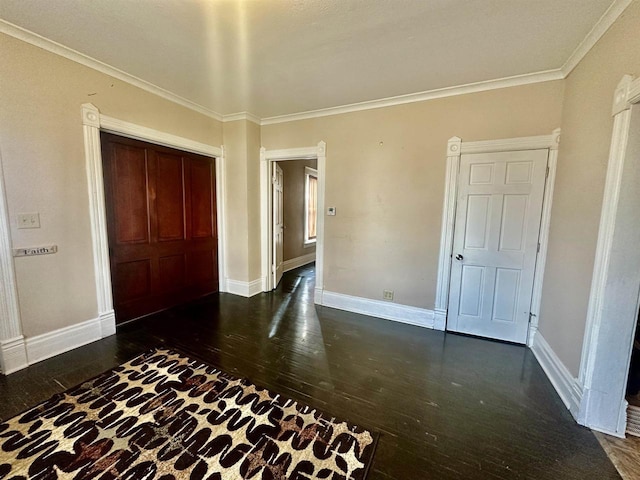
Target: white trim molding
{"x": 514, "y": 81}
{"x": 565, "y": 384}
{"x": 13, "y": 355}
{"x": 613, "y": 300}
{"x": 419, "y": 317}
{"x": 233, "y": 117}
{"x": 300, "y": 261}
{"x": 455, "y": 148}
{"x": 446, "y": 234}
{"x": 92, "y": 123}
{"x": 244, "y": 289}
{"x": 543, "y": 239}
{"x": 78, "y": 57}
{"x": 50, "y": 344}
{"x": 603, "y": 24}
{"x": 599, "y": 29}
{"x": 267, "y": 158}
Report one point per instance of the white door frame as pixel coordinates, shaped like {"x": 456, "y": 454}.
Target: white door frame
{"x": 13, "y": 351}
{"x": 93, "y": 122}
{"x": 455, "y": 148}
{"x": 612, "y": 311}
{"x": 267, "y": 157}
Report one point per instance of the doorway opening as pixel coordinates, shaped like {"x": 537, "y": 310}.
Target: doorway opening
{"x": 294, "y": 187}
{"x": 292, "y": 202}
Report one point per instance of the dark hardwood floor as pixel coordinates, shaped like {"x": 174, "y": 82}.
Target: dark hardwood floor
{"x": 446, "y": 406}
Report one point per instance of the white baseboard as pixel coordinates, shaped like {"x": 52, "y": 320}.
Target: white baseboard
{"x": 13, "y": 355}
{"x": 298, "y": 261}
{"x": 107, "y": 323}
{"x": 375, "y": 308}
{"x": 440, "y": 320}
{"x": 593, "y": 404}
{"x": 59, "y": 341}
{"x": 19, "y": 353}
{"x": 566, "y": 385}
{"x": 244, "y": 289}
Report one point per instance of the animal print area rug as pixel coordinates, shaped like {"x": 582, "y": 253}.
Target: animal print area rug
{"x": 165, "y": 416}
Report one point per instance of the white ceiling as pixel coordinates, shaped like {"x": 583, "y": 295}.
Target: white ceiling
{"x": 276, "y": 57}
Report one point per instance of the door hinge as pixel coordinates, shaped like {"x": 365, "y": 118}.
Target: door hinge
{"x": 538, "y": 251}
{"x": 531, "y": 315}
{"x": 546, "y": 175}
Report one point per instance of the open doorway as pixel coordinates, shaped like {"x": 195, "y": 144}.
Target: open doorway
{"x": 296, "y": 239}
{"x": 294, "y": 187}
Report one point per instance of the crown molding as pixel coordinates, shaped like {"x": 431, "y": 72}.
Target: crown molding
{"x": 250, "y": 117}
{"x": 599, "y": 29}
{"x": 28, "y": 36}
{"x": 602, "y": 25}
{"x": 514, "y": 81}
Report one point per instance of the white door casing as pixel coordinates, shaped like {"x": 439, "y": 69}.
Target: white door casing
{"x": 267, "y": 158}
{"x": 495, "y": 243}
{"x": 277, "y": 188}
{"x": 613, "y": 300}
{"x": 93, "y": 122}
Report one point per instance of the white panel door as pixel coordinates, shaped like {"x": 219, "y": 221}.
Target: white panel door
{"x": 495, "y": 243}
{"x": 278, "y": 224}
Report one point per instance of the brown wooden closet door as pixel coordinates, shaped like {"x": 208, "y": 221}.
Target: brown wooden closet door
{"x": 161, "y": 221}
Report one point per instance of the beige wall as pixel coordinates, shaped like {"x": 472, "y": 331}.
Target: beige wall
{"x": 294, "y": 203}
{"x": 385, "y": 175}
{"x": 242, "y": 157}
{"x": 253, "y": 199}
{"x": 42, "y": 151}
{"x": 582, "y": 163}
{"x": 235, "y": 151}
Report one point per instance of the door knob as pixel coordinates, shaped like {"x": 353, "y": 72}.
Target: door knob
{"x": 459, "y": 257}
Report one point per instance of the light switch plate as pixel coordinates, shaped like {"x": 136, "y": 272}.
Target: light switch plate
{"x": 28, "y": 220}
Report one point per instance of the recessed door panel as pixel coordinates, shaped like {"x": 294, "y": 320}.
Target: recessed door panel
{"x": 133, "y": 280}
{"x": 171, "y": 273}
{"x": 170, "y": 197}
{"x": 130, "y": 189}
{"x": 481, "y": 174}
{"x": 505, "y": 296}
{"x": 201, "y": 178}
{"x": 519, "y": 172}
{"x": 495, "y": 243}
{"x": 471, "y": 291}
{"x": 477, "y": 220}
{"x": 513, "y": 225}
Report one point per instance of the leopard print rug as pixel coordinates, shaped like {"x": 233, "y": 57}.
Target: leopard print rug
{"x": 165, "y": 416}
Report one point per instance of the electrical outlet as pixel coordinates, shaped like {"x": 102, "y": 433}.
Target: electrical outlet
{"x": 28, "y": 220}
{"x": 387, "y": 294}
